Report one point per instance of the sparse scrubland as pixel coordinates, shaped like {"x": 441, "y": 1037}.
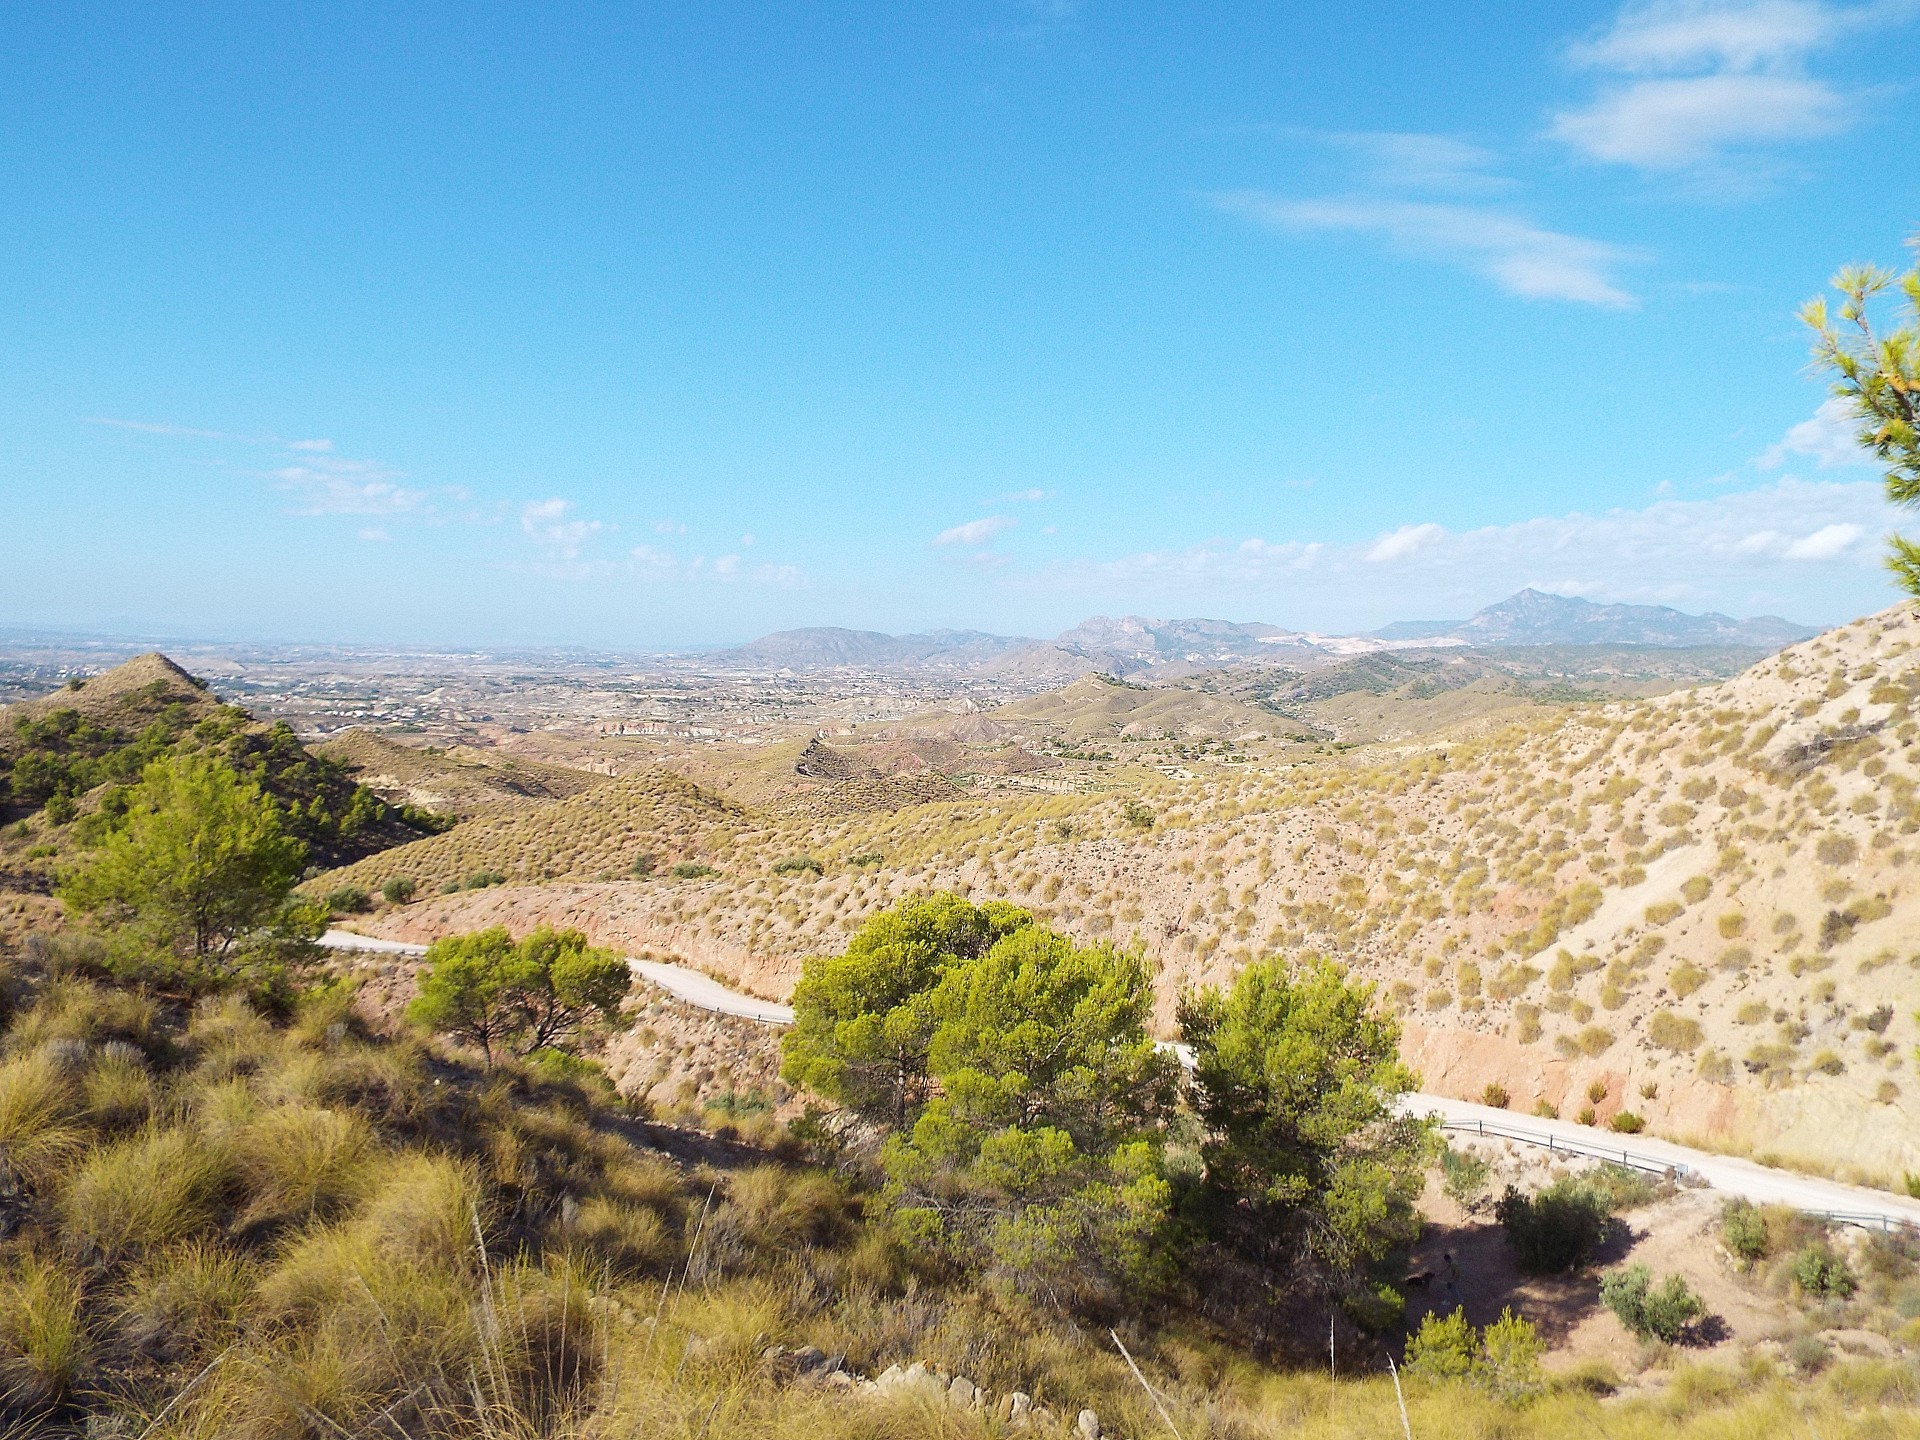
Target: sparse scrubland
{"x": 1708, "y": 892}
{"x": 226, "y": 1223}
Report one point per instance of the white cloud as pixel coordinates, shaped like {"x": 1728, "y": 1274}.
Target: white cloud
{"x": 669, "y": 527}
{"x": 1826, "y": 543}
{"x": 975, "y": 532}
{"x": 551, "y": 525}
{"x": 375, "y": 533}
{"x": 311, "y": 447}
{"x": 1700, "y": 78}
{"x": 652, "y": 563}
{"x": 1407, "y": 540}
{"x": 1673, "y": 124}
{"x": 1828, "y": 438}
{"x": 1735, "y": 34}
{"x": 1519, "y": 256}
{"x": 1795, "y": 547}
{"x": 185, "y": 432}
{"x": 1405, "y": 161}
{"x": 1028, "y": 497}
{"x": 325, "y": 485}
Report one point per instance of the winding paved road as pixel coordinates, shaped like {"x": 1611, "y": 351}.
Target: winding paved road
{"x": 1759, "y": 1183}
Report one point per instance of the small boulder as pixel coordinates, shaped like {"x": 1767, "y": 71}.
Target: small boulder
{"x": 962, "y": 1393}
{"x": 1087, "y": 1427}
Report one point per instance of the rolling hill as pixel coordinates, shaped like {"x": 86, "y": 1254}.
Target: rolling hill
{"x": 1701, "y": 905}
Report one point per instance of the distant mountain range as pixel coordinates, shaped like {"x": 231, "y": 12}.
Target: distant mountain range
{"x": 1131, "y": 644}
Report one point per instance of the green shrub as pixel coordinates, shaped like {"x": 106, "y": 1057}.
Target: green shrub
{"x": 1626, "y": 1123}
{"x": 349, "y": 900}
{"x": 1444, "y": 1348}
{"x": 483, "y": 879}
{"x": 1819, "y": 1272}
{"x": 1659, "y": 1313}
{"x": 643, "y": 865}
{"x": 1809, "y": 1354}
{"x": 798, "y": 865}
{"x": 1556, "y": 1229}
{"x": 691, "y": 870}
{"x": 1376, "y": 1309}
{"x": 1496, "y": 1095}
{"x": 1743, "y": 1229}
{"x": 398, "y": 890}
{"x": 1504, "y": 1358}
{"x": 1464, "y": 1175}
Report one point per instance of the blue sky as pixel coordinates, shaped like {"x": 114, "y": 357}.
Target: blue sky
{"x": 672, "y": 324}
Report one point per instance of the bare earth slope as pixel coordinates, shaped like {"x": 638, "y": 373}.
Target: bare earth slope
{"x": 1702, "y": 905}
{"x": 460, "y": 781}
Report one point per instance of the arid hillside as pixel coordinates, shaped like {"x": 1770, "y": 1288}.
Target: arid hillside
{"x": 458, "y": 781}
{"x": 1701, "y": 904}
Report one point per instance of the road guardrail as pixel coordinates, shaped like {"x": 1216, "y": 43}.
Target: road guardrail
{"x": 1572, "y": 1147}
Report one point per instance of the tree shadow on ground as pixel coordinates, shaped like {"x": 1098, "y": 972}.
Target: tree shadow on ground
{"x": 1471, "y": 1267}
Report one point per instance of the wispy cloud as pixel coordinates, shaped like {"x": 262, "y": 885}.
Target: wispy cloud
{"x": 1522, "y": 258}
{"x": 552, "y": 525}
{"x": 1828, "y": 438}
{"x": 1441, "y": 163}
{"x": 654, "y": 564}
{"x": 1407, "y": 540}
{"x": 324, "y": 485}
{"x": 144, "y": 427}
{"x": 1792, "y": 545}
{"x": 1696, "y": 79}
{"x": 975, "y": 532}
{"x": 1028, "y": 497}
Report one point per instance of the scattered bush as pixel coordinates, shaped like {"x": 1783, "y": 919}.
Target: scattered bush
{"x": 1626, "y": 1122}
{"x": 1685, "y": 978}
{"x": 1558, "y": 1228}
{"x": 483, "y": 880}
{"x": 1820, "y": 1273}
{"x": 1496, "y": 1095}
{"x": 1809, "y": 1354}
{"x": 1464, "y": 1175}
{"x": 1836, "y": 850}
{"x": 1743, "y": 1229}
{"x": 691, "y": 870}
{"x": 1658, "y": 1313}
{"x": 397, "y": 891}
{"x": 798, "y": 865}
{"x": 1503, "y": 1359}
{"x": 349, "y": 900}
{"x": 1669, "y": 1031}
